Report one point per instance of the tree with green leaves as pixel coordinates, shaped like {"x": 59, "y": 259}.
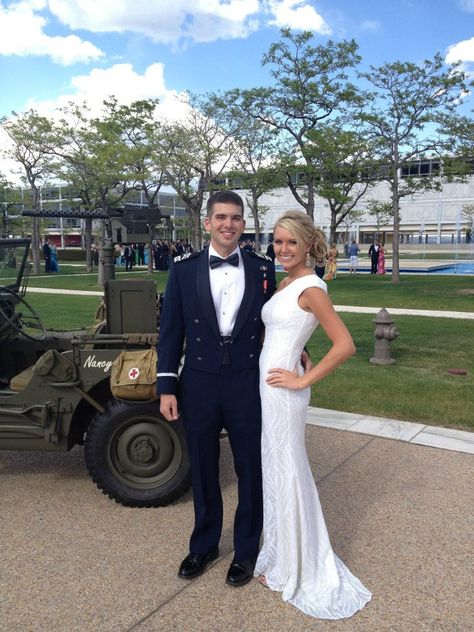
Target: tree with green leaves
{"x": 344, "y": 165}
{"x": 257, "y": 169}
{"x": 201, "y": 149}
{"x": 408, "y": 103}
{"x": 32, "y": 138}
{"x": 382, "y": 211}
{"x": 467, "y": 214}
{"x": 146, "y": 152}
{"x": 459, "y": 133}
{"x": 93, "y": 161}
{"x": 311, "y": 85}
{"x": 354, "y": 216}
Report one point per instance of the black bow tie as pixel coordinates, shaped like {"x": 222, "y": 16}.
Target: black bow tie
{"x": 215, "y": 262}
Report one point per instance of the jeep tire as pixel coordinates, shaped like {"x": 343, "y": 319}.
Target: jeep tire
{"x": 136, "y": 457}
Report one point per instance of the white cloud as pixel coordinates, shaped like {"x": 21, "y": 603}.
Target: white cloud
{"x": 297, "y": 14}
{"x": 214, "y": 20}
{"x": 161, "y": 21}
{"x": 370, "y": 25}
{"x": 125, "y": 84}
{"x": 24, "y": 23}
{"x": 462, "y": 51}
{"x": 22, "y": 33}
{"x": 178, "y": 21}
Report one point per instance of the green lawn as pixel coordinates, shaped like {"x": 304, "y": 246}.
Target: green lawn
{"x": 63, "y": 312}
{"x": 88, "y": 281}
{"x": 424, "y": 291}
{"x": 417, "y": 388}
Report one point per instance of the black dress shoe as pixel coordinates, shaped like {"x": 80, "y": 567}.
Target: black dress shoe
{"x": 194, "y": 564}
{"x": 240, "y": 573}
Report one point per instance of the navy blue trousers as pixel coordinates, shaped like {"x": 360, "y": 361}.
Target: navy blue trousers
{"x": 209, "y": 403}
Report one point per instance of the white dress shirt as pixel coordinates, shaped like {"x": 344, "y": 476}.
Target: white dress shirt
{"x": 227, "y": 289}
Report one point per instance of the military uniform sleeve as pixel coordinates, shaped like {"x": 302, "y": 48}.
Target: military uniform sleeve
{"x": 271, "y": 280}
{"x": 171, "y": 339}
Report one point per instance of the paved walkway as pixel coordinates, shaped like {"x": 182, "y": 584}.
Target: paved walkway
{"x": 411, "y": 432}
{"x": 398, "y": 513}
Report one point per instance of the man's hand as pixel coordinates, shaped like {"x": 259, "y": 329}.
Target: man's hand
{"x": 306, "y": 361}
{"x": 169, "y": 407}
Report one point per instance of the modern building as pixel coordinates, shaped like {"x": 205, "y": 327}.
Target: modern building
{"x": 432, "y": 216}
{"x": 429, "y": 217}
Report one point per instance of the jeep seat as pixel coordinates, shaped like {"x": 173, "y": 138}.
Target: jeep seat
{"x": 19, "y": 382}
{"x": 51, "y": 365}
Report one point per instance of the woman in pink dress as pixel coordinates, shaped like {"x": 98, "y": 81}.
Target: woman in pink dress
{"x": 381, "y": 261}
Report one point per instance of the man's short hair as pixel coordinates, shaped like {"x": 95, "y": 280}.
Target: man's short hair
{"x": 224, "y": 197}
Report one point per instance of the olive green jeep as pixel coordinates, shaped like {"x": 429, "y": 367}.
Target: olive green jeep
{"x": 55, "y": 389}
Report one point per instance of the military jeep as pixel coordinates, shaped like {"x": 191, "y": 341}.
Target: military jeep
{"x": 55, "y": 389}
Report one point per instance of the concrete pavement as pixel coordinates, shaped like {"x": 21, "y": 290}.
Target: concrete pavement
{"x": 399, "y": 514}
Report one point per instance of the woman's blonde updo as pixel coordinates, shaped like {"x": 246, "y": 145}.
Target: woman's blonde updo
{"x": 308, "y": 237}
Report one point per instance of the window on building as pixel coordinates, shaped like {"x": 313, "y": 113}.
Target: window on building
{"x": 425, "y": 168}
{"x": 50, "y": 193}
{"x": 71, "y": 222}
{"x": 218, "y": 184}
{"x": 298, "y": 178}
{"x": 69, "y": 192}
{"x": 237, "y": 183}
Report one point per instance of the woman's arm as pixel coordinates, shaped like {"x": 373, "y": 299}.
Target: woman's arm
{"x": 317, "y": 301}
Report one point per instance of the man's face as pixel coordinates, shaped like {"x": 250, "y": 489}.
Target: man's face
{"x": 226, "y": 224}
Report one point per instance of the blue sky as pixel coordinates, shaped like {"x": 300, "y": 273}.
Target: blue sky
{"x": 57, "y": 50}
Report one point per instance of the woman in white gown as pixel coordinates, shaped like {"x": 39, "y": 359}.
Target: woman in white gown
{"x": 296, "y": 557}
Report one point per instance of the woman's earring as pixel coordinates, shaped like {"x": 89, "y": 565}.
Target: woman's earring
{"x": 308, "y": 260}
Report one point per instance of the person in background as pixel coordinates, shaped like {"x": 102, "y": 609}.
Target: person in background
{"x": 54, "y": 258}
{"x": 381, "y": 259}
{"x": 320, "y": 267}
{"x": 353, "y": 257}
{"x": 248, "y": 246}
{"x": 95, "y": 255}
{"x": 47, "y": 255}
{"x": 374, "y": 256}
{"x": 128, "y": 256}
{"x": 270, "y": 251}
{"x": 331, "y": 266}
{"x": 179, "y": 248}
{"x": 163, "y": 254}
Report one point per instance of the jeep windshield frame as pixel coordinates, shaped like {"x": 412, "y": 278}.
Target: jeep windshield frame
{"x": 13, "y": 262}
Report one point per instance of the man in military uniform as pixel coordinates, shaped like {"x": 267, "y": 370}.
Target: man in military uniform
{"x": 47, "y": 255}
{"x": 213, "y": 301}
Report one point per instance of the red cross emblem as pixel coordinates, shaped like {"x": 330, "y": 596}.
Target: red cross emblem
{"x": 133, "y": 373}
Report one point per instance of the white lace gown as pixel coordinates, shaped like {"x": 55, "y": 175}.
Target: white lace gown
{"x": 296, "y": 557}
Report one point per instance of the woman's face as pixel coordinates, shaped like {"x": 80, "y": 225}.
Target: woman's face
{"x": 287, "y": 251}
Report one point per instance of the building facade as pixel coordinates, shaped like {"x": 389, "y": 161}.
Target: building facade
{"x": 430, "y": 217}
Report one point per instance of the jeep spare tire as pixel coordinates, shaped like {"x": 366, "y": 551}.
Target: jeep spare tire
{"x": 136, "y": 457}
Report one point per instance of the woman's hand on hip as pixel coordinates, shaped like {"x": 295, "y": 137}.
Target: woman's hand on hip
{"x": 282, "y": 378}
